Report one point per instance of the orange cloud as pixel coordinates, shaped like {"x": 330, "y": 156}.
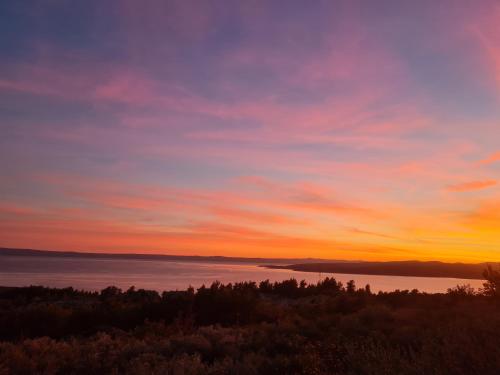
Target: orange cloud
{"x": 253, "y": 216}
{"x": 486, "y": 217}
{"x": 369, "y": 233}
{"x": 471, "y": 186}
{"x": 491, "y": 159}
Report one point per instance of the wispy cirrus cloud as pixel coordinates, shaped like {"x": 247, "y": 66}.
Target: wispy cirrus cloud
{"x": 493, "y": 158}
{"x": 486, "y": 30}
{"x": 471, "y": 186}
{"x": 253, "y": 128}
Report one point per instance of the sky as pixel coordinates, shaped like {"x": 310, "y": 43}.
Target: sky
{"x": 331, "y": 129}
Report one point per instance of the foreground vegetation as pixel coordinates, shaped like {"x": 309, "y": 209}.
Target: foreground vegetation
{"x": 245, "y": 328}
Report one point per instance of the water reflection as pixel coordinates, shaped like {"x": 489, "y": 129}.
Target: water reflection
{"x": 96, "y": 274}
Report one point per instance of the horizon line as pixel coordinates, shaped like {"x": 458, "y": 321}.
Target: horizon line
{"x": 322, "y": 260}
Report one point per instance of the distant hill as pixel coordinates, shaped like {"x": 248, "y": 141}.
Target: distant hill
{"x": 159, "y": 257}
{"x": 398, "y": 268}
{"x": 403, "y": 268}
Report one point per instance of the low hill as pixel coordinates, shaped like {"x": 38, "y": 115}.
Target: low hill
{"x": 159, "y": 257}
{"x": 402, "y": 268}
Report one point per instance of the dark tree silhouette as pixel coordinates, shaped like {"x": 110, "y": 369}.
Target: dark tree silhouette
{"x": 286, "y": 327}
{"x": 492, "y": 284}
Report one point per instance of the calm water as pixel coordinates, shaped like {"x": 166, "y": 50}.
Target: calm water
{"x": 96, "y": 274}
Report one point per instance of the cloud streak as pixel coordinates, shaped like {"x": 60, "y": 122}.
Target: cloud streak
{"x": 471, "y": 186}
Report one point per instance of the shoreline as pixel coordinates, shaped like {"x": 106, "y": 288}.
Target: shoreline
{"x": 401, "y": 269}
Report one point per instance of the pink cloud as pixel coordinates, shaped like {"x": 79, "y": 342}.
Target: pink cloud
{"x": 484, "y": 27}
{"x": 9, "y": 208}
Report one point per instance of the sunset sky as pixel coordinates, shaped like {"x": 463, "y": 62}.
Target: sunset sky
{"x": 332, "y": 129}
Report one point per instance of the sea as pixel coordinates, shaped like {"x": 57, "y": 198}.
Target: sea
{"x": 94, "y": 274}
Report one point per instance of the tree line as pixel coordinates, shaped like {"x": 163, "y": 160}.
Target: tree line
{"x": 287, "y": 327}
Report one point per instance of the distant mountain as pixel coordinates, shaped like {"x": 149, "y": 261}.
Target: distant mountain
{"x": 403, "y": 268}
{"x": 159, "y": 257}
